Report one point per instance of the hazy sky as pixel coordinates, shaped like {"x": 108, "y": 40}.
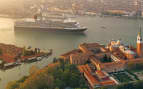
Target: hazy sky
{"x": 9, "y": 2}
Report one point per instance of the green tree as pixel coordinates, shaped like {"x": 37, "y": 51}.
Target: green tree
{"x": 12, "y": 85}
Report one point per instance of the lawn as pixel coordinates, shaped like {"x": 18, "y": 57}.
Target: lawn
{"x": 122, "y": 77}
{"x": 133, "y": 74}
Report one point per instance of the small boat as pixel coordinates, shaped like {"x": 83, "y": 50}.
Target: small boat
{"x": 30, "y": 60}
{"x": 10, "y": 65}
{"x": 39, "y": 58}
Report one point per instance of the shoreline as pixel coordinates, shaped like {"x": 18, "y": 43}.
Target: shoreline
{"x": 15, "y": 56}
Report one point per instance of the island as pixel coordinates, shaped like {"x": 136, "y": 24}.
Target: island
{"x": 90, "y": 66}
{"x": 11, "y": 55}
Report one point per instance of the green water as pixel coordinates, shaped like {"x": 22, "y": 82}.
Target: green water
{"x": 99, "y": 30}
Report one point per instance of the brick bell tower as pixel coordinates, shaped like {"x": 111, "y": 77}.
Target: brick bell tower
{"x": 139, "y": 44}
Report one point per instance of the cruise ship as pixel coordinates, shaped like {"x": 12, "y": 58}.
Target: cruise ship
{"x": 49, "y": 24}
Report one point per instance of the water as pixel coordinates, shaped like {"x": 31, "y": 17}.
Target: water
{"x": 99, "y": 30}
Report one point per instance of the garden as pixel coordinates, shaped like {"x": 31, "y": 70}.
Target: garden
{"x": 122, "y": 77}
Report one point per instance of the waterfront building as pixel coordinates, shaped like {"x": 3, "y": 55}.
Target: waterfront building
{"x": 96, "y": 78}
{"x": 79, "y": 58}
{"x": 139, "y": 45}
{"x": 67, "y": 55}
{"x": 96, "y": 61}
{"x": 126, "y": 5}
{"x": 116, "y": 47}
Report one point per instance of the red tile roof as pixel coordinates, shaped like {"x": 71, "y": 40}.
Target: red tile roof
{"x": 100, "y": 74}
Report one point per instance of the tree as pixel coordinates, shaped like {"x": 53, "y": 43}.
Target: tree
{"x": 54, "y": 60}
{"x": 33, "y": 69}
{"x": 139, "y": 85}
{"x": 12, "y": 85}
{"x": 61, "y": 75}
{"x": 1, "y": 52}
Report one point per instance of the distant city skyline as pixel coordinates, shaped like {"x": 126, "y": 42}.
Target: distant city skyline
{"x": 11, "y": 7}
